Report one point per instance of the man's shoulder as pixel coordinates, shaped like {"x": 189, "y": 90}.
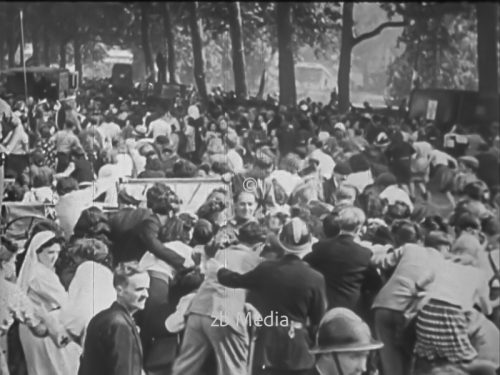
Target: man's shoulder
{"x": 136, "y": 214}
{"x": 159, "y": 121}
{"x": 308, "y": 275}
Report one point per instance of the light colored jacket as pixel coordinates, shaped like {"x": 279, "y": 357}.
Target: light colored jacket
{"x": 413, "y": 275}
{"x": 219, "y": 302}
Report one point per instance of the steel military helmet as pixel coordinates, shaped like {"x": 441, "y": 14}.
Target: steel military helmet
{"x": 342, "y": 331}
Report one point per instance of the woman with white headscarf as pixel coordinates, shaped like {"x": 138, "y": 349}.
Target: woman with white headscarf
{"x": 38, "y": 279}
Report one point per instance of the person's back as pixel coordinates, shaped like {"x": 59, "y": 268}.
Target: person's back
{"x": 344, "y": 264}
{"x": 414, "y": 272}
{"x": 83, "y": 170}
{"x": 461, "y": 285}
{"x": 275, "y": 296}
{"x": 126, "y": 235}
{"x": 216, "y": 300}
{"x": 66, "y": 140}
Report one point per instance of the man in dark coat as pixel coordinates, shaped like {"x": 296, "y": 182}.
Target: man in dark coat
{"x": 342, "y": 261}
{"x": 112, "y": 344}
{"x": 290, "y": 297}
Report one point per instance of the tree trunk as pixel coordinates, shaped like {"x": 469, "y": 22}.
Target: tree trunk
{"x": 2, "y": 52}
{"x": 343, "y": 78}
{"x": 288, "y": 93}
{"x": 199, "y": 71}
{"x": 170, "y": 38}
{"x": 146, "y": 45}
{"x": 62, "y": 54}
{"x": 235, "y": 24}
{"x": 35, "y": 40}
{"x": 11, "y": 36}
{"x": 487, "y": 57}
{"x": 46, "y": 46}
{"x": 77, "y": 51}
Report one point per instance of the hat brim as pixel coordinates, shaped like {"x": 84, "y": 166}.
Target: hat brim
{"x": 274, "y": 239}
{"x": 372, "y": 345}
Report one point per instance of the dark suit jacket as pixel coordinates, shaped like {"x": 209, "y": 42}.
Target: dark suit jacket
{"x": 344, "y": 264}
{"x": 135, "y": 231}
{"x": 112, "y": 345}
{"x": 329, "y": 190}
{"x": 286, "y": 287}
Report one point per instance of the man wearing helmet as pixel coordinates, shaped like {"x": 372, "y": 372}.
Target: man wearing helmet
{"x": 343, "y": 344}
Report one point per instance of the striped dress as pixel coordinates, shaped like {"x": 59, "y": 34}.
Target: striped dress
{"x": 442, "y": 333}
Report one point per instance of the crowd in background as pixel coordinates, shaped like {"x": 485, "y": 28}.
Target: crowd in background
{"x": 370, "y": 211}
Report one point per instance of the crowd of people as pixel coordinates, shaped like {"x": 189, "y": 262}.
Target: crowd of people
{"x": 341, "y": 244}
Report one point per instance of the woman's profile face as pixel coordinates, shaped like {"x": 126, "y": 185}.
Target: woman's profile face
{"x": 49, "y": 255}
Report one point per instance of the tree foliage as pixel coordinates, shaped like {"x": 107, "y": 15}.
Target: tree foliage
{"x": 440, "y": 48}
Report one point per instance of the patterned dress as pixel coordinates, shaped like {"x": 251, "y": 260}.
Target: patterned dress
{"x": 49, "y": 149}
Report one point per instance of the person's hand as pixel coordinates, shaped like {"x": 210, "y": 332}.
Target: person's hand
{"x": 254, "y": 313}
{"x": 189, "y": 263}
{"x": 226, "y": 177}
{"x": 62, "y": 340}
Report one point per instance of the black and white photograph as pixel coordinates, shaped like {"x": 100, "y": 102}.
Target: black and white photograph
{"x": 249, "y": 188}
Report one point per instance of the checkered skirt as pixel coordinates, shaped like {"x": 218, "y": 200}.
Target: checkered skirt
{"x": 442, "y": 333}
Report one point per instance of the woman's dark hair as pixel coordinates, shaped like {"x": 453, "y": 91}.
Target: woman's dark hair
{"x": 221, "y": 168}
{"x": 49, "y": 243}
{"x": 161, "y": 199}
{"x": 405, "y": 231}
{"x": 93, "y": 223}
{"x": 90, "y": 249}
{"x": 66, "y": 185}
{"x": 434, "y": 223}
{"x": 185, "y": 282}
{"x": 397, "y": 211}
{"x": 210, "y": 209}
{"x": 174, "y": 229}
{"x": 252, "y": 233}
{"x": 475, "y": 190}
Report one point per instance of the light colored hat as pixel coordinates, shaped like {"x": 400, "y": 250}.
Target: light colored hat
{"x": 469, "y": 161}
{"x": 382, "y": 140}
{"x": 295, "y": 237}
{"x": 193, "y": 112}
{"x": 339, "y": 126}
{"x": 342, "y": 331}
{"x": 140, "y": 130}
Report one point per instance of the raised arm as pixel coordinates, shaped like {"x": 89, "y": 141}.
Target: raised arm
{"x": 148, "y": 232}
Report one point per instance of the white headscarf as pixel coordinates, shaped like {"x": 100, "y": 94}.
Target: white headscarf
{"x": 30, "y": 262}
